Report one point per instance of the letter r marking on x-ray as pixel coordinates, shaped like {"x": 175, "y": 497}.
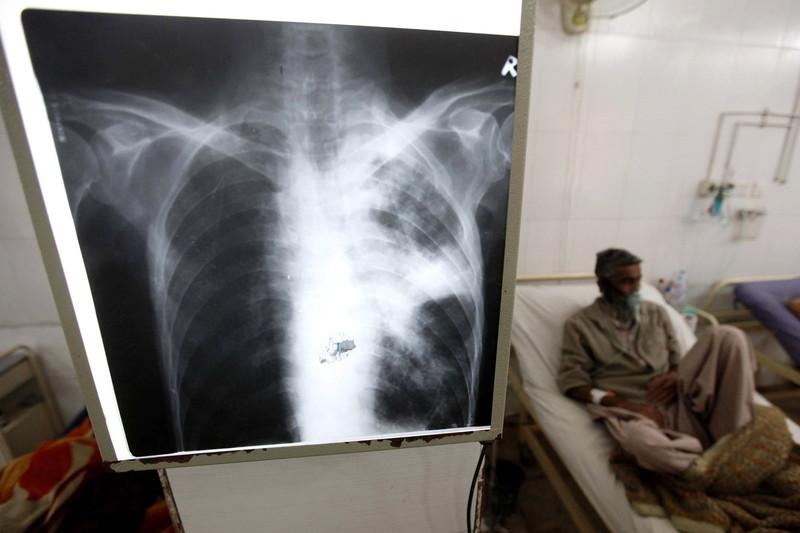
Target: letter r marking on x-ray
{"x": 510, "y": 67}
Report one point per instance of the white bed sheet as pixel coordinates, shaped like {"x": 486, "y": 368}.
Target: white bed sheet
{"x": 540, "y": 311}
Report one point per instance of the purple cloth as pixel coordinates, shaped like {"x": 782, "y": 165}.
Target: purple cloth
{"x": 767, "y": 301}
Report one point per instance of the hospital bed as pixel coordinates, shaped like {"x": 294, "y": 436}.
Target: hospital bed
{"x": 550, "y": 420}
{"x": 759, "y": 303}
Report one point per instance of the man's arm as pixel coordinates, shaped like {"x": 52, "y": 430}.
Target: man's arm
{"x": 583, "y": 394}
{"x": 575, "y": 381}
{"x": 576, "y": 362}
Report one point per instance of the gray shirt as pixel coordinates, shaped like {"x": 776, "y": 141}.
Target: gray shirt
{"x": 596, "y": 353}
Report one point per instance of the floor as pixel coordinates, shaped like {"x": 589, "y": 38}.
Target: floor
{"x": 538, "y": 508}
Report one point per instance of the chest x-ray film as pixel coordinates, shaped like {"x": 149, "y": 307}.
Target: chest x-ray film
{"x": 274, "y": 233}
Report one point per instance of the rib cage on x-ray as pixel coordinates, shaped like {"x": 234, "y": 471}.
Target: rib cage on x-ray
{"x": 313, "y": 254}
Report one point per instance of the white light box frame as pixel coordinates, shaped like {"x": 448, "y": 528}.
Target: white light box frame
{"x": 276, "y": 229}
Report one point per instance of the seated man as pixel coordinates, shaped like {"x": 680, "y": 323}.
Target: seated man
{"x": 621, "y": 358}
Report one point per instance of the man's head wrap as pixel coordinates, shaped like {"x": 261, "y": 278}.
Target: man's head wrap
{"x": 609, "y": 259}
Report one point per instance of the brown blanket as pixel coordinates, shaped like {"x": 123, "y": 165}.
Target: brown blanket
{"x": 747, "y": 481}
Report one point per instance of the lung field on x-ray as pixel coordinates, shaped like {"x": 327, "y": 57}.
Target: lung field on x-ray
{"x": 293, "y": 232}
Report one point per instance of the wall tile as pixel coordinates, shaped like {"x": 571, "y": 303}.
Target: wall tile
{"x": 637, "y": 22}
{"x": 15, "y": 222}
{"x": 785, "y": 80}
{"x": 546, "y": 175}
{"x": 751, "y": 81}
{"x": 611, "y": 83}
{"x": 709, "y": 20}
{"x": 587, "y": 237}
{"x": 782, "y": 200}
{"x": 600, "y": 183}
{"x": 543, "y": 247}
{"x": 662, "y": 257}
{"x": 652, "y": 187}
{"x": 791, "y": 34}
{"x": 555, "y": 60}
{"x": 28, "y": 289}
{"x": 661, "y": 105}
{"x": 764, "y": 22}
{"x": 780, "y": 234}
{"x": 692, "y": 155}
{"x": 8, "y": 283}
{"x": 708, "y": 81}
{"x": 548, "y": 16}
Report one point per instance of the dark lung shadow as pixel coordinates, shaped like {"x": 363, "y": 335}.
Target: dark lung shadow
{"x": 115, "y": 257}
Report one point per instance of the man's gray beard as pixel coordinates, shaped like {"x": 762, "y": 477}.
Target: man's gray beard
{"x": 621, "y": 309}
{"x": 623, "y": 313}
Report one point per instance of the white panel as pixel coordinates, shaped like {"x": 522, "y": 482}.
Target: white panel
{"x": 600, "y": 183}
{"x": 663, "y": 93}
{"x": 554, "y": 73}
{"x": 410, "y": 490}
{"x": 636, "y": 22}
{"x": 27, "y": 291}
{"x": 663, "y": 256}
{"x": 675, "y": 18}
{"x": 585, "y": 239}
{"x": 611, "y": 86}
{"x": 783, "y": 254}
{"x": 15, "y": 222}
{"x": 707, "y": 83}
{"x": 652, "y": 187}
{"x": 791, "y": 36}
{"x": 784, "y": 81}
{"x": 782, "y": 200}
{"x": 765, "y": 21}
{"x": 548, "y": 17}
{"x": 753, "y": 75}
{"x": 543, "y": 247}
{"x": 7, "y": 282}
{"x": 546, "y": 175}
{"x": 709, "y": 20}
{"x": 692, "y": 151}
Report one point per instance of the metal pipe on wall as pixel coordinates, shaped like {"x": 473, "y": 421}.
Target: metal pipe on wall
{"x": 785, "y": 157}
{"x": 734, "y": 138}
{"x": 789, "y": 141}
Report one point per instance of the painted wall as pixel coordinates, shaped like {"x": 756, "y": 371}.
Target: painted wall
{"x": 411, "y": 490}
{"x": 623, "y": 119}
{"x": 27, "y": 310}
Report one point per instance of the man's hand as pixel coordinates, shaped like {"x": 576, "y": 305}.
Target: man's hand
{"x": 662, "y": 389}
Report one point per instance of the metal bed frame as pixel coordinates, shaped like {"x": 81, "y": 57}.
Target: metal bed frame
{"x": 744, "y": 319}
{"x": 575, "y": 502}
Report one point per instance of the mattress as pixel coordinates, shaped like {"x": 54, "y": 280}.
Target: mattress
{"x": 583, "y": 445}
{"x": 767, "y": 301}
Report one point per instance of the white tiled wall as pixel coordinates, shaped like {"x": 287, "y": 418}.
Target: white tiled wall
{"x": 622, "y": 125}
{"x": 27, "y": 312}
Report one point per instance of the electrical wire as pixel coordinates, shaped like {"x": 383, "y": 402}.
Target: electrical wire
{"x": 472, "y": 487}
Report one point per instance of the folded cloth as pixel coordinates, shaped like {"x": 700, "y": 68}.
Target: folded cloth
{"x": 747, "y": 481}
